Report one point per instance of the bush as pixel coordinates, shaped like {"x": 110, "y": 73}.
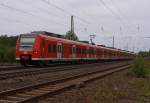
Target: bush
{"x": 11, "y": 55}
{"x": 138, "y": 68}
{"x": 7, "y": 49}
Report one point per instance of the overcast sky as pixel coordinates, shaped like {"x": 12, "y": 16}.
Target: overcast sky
{"x": 126, "y": 20}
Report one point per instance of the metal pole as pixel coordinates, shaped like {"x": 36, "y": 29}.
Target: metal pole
{"x": 72, "y": 24}
{"x": 113, "y": 41}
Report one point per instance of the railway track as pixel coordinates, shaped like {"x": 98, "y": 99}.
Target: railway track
{"x": 35, "y": 71}
{"x": 18, "y": 66}
{"x": 12, "y": 67}
{"x": 36, "y": 92}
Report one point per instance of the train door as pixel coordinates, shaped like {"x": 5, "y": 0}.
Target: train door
{"x": 73, "y": 51}
{"x": 95, "y": 51}
{"x": 45, "y": 54}
{"x": 43, "y": 49}
{"x": 87, "y": 52}
{"x": 59, "y": 50}
{"x": 103, "y": 53}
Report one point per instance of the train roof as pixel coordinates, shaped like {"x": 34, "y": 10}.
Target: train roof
{"x": 34, "y": 33}
{"x": 86, "y": 44}
{"x": 48, "y": 34}
{"x": 60, "y": 37}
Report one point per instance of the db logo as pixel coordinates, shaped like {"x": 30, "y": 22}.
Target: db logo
{"x": 24, "y": 52}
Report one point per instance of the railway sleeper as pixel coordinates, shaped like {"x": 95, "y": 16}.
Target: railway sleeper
{"x": 34, "y": 93}
{"x": 14, "y": 98}
{"x": 6, "y": 101}
{"x": 23, "y": 95}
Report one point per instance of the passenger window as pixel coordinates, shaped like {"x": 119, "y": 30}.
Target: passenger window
{"x": 49, "y": 48}
{"x": 73, "y": 50}
{"x": 70, "y": 50}
{"x": 54, "y": 48}
{"x": 58, "y": 48}
{"x": 79, "y": 51}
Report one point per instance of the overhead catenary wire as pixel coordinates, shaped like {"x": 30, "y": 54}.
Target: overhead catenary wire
{"x": 68, "y": 13}
{"x": 121, "y": 14}
{"x": 115, "y": 14}
{"x": 65, "y": 11}
{"x": 31, "y": 14}
{"x": 13, "y": 21}
{"x": 57, "y": 15}
{"x": 46, "y": 11}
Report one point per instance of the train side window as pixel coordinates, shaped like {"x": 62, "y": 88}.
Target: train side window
{"x": 74, "y": 50}
{"x": 95, "y": 52}
{"x": 108, "y": 52}
{"x": 49, "y": 48}
{"x": 77, "y": 50}
{"x": 90, "y": 51}
{"x": 85, "y": 51}
{"x": 104, "y": 52}
{"x": 61, "y": 48}
{"x": 100, "y": 52}
{"x": 80, "y": 50}
{"x": 70, "y": 50}
{"x": 54, "y": 48}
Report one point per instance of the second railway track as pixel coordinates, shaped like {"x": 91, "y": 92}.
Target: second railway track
{"x": 35, "y": 71}
{"x": 35, "y": 92}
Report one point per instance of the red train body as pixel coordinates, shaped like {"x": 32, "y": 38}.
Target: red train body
{"x": 44, "y": 47}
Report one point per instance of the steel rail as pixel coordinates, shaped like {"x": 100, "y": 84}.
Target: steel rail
{"x": 36, "y": 92}
{"x": 36, "y": 71}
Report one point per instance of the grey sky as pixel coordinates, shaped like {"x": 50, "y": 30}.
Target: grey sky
{"x": 104, "y": 18}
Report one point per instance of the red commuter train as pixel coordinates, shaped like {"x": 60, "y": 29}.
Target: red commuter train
{"x": 40, "y": 48}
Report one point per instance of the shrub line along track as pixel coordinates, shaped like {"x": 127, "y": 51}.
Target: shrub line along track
{"x": 33, "y": 71}
{"x": 36, "y": 92}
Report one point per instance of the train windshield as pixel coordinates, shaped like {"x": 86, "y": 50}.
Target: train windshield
{"x": 26, "y": 42}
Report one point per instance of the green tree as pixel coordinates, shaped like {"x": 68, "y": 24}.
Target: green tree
{"x": 7, "y": 48}
{"x": 71, "y": 36}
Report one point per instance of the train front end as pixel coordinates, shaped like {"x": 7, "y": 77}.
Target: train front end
{"x": 27, "y": 49}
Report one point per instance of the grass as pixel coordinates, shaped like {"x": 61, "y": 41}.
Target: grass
{"x": 139, "y": 68}
{"x": 143, "y": 87}
{"x": 108, "y": 95}
{"x": 134, "y": 87}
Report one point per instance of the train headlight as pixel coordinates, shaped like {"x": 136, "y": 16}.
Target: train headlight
{"x": 35, "y": 52}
